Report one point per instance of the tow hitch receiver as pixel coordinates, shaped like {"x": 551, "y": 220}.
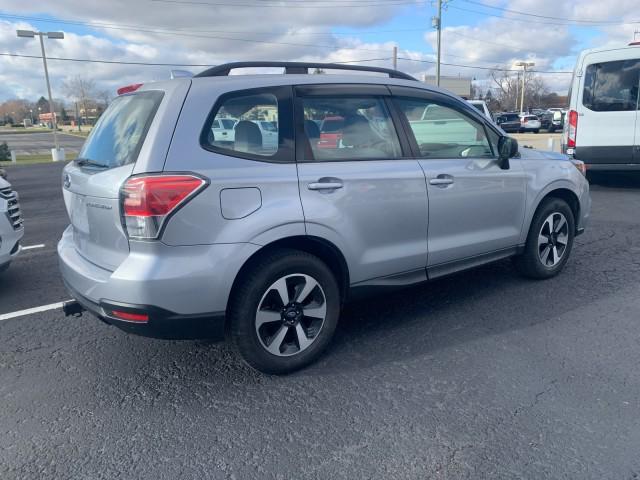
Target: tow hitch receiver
{"x": 72, "y": 308}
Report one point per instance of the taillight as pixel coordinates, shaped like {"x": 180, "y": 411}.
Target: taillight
{"x": 148, "y": 201}
{"x": 573, "y": 129}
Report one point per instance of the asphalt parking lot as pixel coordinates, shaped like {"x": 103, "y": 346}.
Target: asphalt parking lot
{"x": 40, "y": 143}
{"x": 481, "y": 375}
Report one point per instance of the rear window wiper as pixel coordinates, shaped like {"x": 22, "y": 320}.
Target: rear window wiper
{"x": 87, "y": 162}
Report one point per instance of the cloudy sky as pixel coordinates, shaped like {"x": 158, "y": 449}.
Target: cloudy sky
{"x": 477, "y": 34}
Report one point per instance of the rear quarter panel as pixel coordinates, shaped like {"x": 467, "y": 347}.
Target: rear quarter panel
{"x": 275, "y": 213}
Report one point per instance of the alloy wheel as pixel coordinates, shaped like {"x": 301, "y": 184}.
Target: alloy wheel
{"x": 553, "y": 239}
{"x": 291, "y": 315}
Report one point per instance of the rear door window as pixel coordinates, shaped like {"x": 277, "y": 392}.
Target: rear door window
{"x": 351, "y": 128}
{"x": 611, "y": 86}
{"x": 120, "y": 132}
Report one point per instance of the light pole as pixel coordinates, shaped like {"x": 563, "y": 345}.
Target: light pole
{"x": 57, "y": 153}
{"x": 524, "y": 66}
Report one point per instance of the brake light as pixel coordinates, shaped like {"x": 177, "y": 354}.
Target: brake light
{"x": 148, "y": 201}
{"x": 129, "y": 88}
{"x": 573, "y": 129}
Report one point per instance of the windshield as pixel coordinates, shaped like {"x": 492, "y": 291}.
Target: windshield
{"x": 478, "y": 107}
{"x": 118, "y": 136}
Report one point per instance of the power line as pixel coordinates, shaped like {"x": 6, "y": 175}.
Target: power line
{"x": 236, "y": 39}
{"x": 152, "y": 64}
{"x": 118, "y": 62}
{"x": 391, "y": 3}
{"x": 480, "y": 67}
{"x": 125, "y": 26}
{"x": 508, "y": 10}
{"x": 541, "y": 22}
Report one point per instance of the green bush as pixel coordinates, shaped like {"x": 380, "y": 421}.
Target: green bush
{"x": 5, "y": 154}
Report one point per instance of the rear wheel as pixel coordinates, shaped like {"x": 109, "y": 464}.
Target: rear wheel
{"x": 549, "y": 241}
{"x": 284, "y": 312}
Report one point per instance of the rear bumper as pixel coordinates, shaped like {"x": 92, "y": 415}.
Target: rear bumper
{"x": 183, "y": 290}
{"x": 161, "y": 324}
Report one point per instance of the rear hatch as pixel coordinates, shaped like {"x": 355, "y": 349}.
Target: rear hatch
{"x": 91, "y": 183}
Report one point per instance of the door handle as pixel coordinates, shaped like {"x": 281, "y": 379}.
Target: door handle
{"x": 324, "y": 185}
{"x": 441, "y": 181}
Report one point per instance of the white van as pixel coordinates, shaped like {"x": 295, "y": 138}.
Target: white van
{"x": 602, "y": 127}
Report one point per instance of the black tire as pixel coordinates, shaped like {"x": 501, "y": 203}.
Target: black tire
{"x": 247, "y": 296}
{"x": 536, "y": 131}
{"x": 530, "y": 263}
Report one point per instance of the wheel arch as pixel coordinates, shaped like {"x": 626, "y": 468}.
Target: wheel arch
{"x": 321, "y": 248}
{"x": 562, "y": 193}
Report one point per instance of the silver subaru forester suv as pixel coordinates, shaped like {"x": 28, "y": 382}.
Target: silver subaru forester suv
{"x": 317, "y": 186}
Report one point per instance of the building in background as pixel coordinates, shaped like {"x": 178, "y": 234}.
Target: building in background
{"x": 458, "y": 85}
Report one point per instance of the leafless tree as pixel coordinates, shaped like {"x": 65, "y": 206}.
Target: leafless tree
{"x": 508, "y": 88}
{"x": 81, "y": 90}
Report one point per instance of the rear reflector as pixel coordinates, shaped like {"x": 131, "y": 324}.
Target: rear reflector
{"x": 129, "y": 88}
{"x": 130, "y": 317}
{"x": 147, "y": 201}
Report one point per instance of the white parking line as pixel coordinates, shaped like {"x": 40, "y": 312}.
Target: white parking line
{"x": 31, "y": 247}
{"x": 29, "y": 311}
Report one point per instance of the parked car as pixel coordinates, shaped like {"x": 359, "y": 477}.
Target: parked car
{"x": 175, "y": 235}
{"x": 509, "y": 122}
{"x": 222, "y": 129}
{"x": 11, "y": 228}
{"x": 529, "y": 123}
{"x": 602, "y": 127}
{"x": 552, "y": 120}
{"x": 481, "y": 106}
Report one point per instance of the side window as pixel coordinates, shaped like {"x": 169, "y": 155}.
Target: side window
{"x": 349, "y": 128}
{"x": 611, "y": 86}
{"x": 245, "y": 124}
{"x": 442, "y": 132}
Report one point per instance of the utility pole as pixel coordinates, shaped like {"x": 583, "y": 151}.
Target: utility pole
{"x": 515, "y": 100}
{"x": 57, "y": 153}
{"x": 524, "y": 66}
{"x": 436, "y": 22}
{"x": 395, "y": 57}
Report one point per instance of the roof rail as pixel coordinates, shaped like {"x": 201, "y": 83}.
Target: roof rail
{"x": 299, "y": 68}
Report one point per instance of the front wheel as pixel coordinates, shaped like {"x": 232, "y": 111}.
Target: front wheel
{"x": 284, "y": 311}
{"x": 549, "y": 241}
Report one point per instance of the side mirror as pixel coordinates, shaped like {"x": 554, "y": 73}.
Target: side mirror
{"x": 507, "y": 148}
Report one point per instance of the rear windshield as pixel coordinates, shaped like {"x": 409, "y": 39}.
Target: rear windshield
{"x": 511, "y": 117}
{"x": 119, "y": 134}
